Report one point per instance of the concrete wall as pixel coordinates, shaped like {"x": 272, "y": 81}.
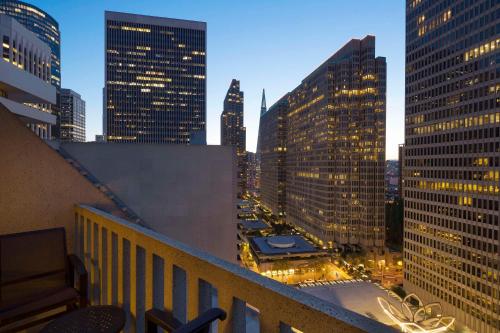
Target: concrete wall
{"x": 38, "y": 188}
{"x": 185, "y": 192}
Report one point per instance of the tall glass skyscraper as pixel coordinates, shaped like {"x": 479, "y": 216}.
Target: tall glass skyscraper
{"x": 44, "y": 26}
{"x": 452, "y": 158}
{"x": 233, "y": 131}
{"x": 155, "y": 79}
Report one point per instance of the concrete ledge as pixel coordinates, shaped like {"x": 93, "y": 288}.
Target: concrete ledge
{"x": 277, "y": 302}
{"x": 24, "y": 87}
{"x": 29, "y": 115}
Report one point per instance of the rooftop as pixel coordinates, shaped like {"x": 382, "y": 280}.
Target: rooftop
{"x": 254, "y": 225}
{"x": 155, "y": 20}
{"x": 357, "y": 296}
{"x": 278, "y": 245}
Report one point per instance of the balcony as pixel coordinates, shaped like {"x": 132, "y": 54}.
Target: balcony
{"x": 137, "y": 268}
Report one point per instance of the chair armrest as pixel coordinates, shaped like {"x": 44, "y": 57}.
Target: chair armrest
{"x": 202, "y": 322}
{"x": 76, "y": 265}
{"x": 157, "y": 318}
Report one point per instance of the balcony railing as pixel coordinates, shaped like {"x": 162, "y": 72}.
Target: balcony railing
{"x": 137, "y": 268}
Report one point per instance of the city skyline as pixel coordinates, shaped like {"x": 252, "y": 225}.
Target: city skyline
{"x": 364, "y": 199}
{"x": 261, "y": 24}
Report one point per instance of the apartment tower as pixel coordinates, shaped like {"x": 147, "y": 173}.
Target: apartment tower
{"x": 233, "y": 131}
{"x": 335, "y": 156}
{"x": 155, "y": 79}
{"x": 452, "y": 158}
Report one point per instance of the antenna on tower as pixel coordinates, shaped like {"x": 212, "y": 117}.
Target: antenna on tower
{"x": 263, "y": 107}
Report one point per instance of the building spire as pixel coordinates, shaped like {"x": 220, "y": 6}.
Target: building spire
{"x": 263, "y": 107}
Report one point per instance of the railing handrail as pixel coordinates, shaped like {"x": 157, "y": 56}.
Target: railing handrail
{"x": 349, "y": 318}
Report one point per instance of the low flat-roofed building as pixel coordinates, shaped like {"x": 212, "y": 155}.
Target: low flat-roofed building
{"x": 25, "y": 88}
{"x": 253, "y": 225}
{"x": 252, "y": 228}
{"x": 282, "y": 247}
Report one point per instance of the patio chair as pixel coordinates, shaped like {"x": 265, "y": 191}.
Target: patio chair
{"x": 164, "y": 319}
{"x": 37, "y": 276}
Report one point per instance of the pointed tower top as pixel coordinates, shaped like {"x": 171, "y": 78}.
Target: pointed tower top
{"x": 263, "y": 107}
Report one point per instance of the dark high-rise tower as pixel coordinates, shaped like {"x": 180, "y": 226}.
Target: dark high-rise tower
{"x": 272, "y": 155}
{"x": 335, "y": 147}
{"x": 72, "y": 116}
{"x": 452, "y": 158}
{"x": 155, "y": 79}
{"x": 233, "y": 131}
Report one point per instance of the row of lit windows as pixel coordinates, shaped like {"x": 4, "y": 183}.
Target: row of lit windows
{"x": 455, "y": 187}
{"x": 491, "y": 205}
{"x": 356, "y": 92}
{"x": 489, "y": 175}
{"x": 26, "y": 58}
{"x": 492, "y": 118}
{"x": 425, "y": 27}
{"x": 482, "y": 49}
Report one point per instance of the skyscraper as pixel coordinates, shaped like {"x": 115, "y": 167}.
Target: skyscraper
{"x": 452, "y": 158}
{"x": 155, "y": 76}
{"x": 233, "y": 131}
{"x": 335, "y": 147}
{"x": 72, "y": 116}
{"x": 46, "y": 28}
{"x": 401, "y": 156}
{"x": 25, "y": 76}
{"x": 252, "y": 172}
{"x": 272, "y": 153}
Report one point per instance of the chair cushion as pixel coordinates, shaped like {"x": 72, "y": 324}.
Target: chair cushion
{"x": 37, "y": 304}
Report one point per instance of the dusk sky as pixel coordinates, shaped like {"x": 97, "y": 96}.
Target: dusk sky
{"x": 269, "y": 44}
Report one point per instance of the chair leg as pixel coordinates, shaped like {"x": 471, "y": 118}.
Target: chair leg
{"x": 151, "y": 327}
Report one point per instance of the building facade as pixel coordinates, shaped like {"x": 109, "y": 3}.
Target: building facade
{"x": 401, "y": 182}
{"x": 252, "y": 162}
{"x": 155, "y": 76}
{"x": 72, "y": 116}
{"x": 272, "y": 151}
{"x": 335, "y": 156}
{"x": 44, "y": 26}
{"x": 452, "y": 158}
{"x": 233, "y": 131}
{"x": 25, "y": 77}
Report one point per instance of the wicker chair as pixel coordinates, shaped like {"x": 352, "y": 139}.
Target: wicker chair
{"x": 37, "y": 276}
